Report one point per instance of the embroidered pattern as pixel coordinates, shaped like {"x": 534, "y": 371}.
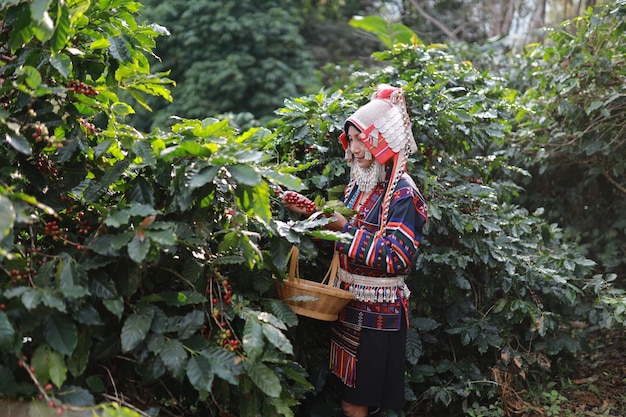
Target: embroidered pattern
{"x": 344, "y": 344}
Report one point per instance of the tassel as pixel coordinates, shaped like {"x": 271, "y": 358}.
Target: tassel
{"x": 377, "y": 294}
{"x": 343, "y": 365}
{"x": 368, "y": 155}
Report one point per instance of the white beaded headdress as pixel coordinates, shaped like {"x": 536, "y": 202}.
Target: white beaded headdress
{"x": 384, "y": 124}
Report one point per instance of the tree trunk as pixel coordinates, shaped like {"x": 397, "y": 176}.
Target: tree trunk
{"x": 508, "y": 17}
{"x": 539, "y": 15}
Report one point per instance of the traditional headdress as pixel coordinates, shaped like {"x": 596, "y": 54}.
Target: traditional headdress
{"x": 386, "y": 132}
{"x": 384, "y": 124}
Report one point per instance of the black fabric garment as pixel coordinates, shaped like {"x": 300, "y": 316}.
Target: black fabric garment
{"x": 380, "y": 370}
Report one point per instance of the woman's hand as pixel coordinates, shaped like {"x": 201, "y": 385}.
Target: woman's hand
{"x": 337, "y": 222}
{"x": 298, "y": 203}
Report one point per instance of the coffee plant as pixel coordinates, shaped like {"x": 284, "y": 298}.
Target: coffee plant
{"x": 137, "y": 270}
{"x": 127, "y": 258}
{"x": 497, "y": 291}
{"x": 576, "y": 149}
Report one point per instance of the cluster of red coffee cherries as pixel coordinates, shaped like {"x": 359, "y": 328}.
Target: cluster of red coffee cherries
{"x": 41, "y": 133}
{"x": 226, "y": 339}
{"x": 300, "y": 201}
{"x": 84, "y": 228}
{"x": 59, "y": 408}
{"x": 46, "y": 166}
{"x": 17, "y": 276}
{"x": 228, "y": 292}
{"x": 26, "y": 274}
{"x": 225, "y": 336}
{"x": 80, "y": 87}
{"x": 226, "y": 295}
{"x": 52, "y": 229}
{"x": 89, "y": 127}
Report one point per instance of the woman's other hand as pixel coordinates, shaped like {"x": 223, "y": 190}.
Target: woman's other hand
{"x": 337, "y": 222}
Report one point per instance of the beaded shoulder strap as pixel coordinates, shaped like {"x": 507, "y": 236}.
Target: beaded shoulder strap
{"x": 398, "y": 169}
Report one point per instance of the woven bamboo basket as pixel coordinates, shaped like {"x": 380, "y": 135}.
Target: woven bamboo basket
{"x": 327, "y": 300}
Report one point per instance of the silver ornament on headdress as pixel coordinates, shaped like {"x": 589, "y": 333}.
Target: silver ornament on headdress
{"x": 395, "y": 125}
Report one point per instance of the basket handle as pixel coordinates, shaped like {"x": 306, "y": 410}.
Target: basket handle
{"x": 294, "y": 265}
{"x": 333, "y": 270}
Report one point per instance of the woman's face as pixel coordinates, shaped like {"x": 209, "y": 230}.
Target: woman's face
{"x": 358, "y": 148}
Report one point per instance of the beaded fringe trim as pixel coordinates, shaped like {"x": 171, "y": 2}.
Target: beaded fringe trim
{"x": 374, "y": 289}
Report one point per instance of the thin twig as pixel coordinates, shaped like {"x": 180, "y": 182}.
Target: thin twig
{"x": 450, "y": 34}
{"x": 612, "y": 181}
{"x": 112, "y": 381}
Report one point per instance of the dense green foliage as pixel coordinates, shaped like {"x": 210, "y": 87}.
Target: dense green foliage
{"x": 576, "y": 84}
{"x": 572, "y": 138}
{"x": 144, "y": 263}
{"x": 117, "y": 247}
{"x": 242, "y": 59}
{"x": 229, "y": 56}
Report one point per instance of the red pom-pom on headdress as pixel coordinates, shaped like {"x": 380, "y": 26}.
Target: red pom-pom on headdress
{"x": 385, "y": 92}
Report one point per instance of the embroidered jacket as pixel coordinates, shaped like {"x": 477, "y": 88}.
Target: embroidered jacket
{"x": 389, "y": 254}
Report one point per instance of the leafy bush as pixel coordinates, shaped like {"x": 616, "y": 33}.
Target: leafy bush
{"x": 575, "y": 143}
{"x": 228, "y": 56}
{"x": 127, "y": 258}
{"x": 144, "y": 264}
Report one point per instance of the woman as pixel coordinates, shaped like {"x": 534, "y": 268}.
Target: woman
{"x": 368, "y": 340}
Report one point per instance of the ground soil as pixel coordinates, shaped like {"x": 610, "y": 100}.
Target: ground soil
{"x": 592, "y": 383}
{"x": 596, "y": 384}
